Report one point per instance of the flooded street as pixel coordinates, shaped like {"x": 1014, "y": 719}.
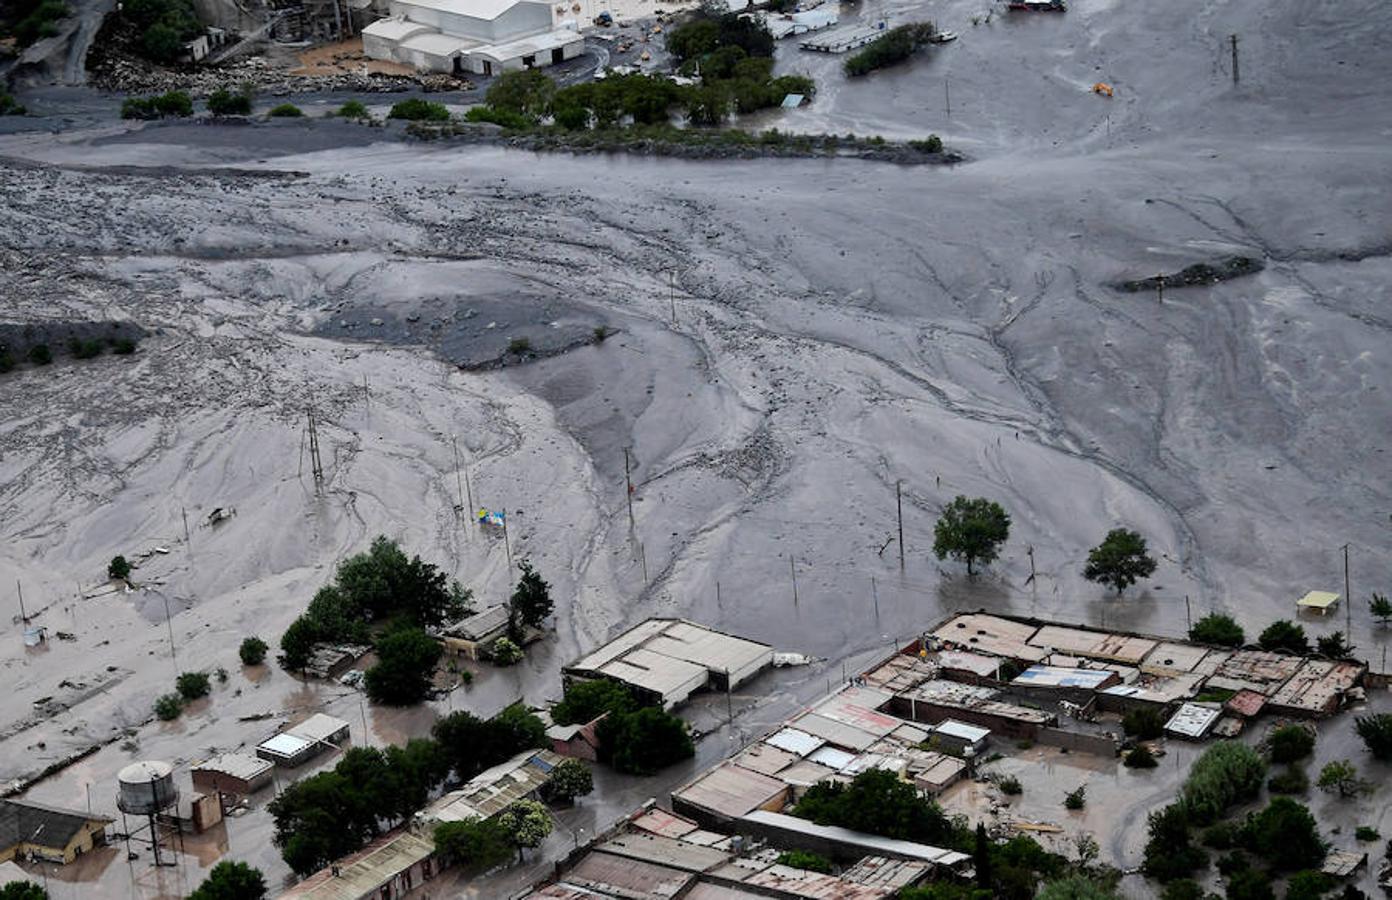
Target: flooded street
{"x": 787, "y": 341}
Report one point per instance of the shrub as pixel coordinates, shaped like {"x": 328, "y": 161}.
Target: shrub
{"x": 1218, "y": 629}
{"x": 252, "y": 651}
{"x": 586, "y": 701}
{"x": 600, "y": 333}
{"x": 1340, "y": 776}
{"x": 1284, "y": 834}
{"x": 570, "y": 779}
{"x": 1227, "y": 773}
{"x": 353, "y": 109}
{"x": 1290, "y": 742}
{"x": 1076, "y": 799}
{"x": 285, "y": 111}
{"x": 6, "y": 361}
{"x": 876, "y": 802}
{"x": 1250, "y": 884}
{"x": 805, "y": 859}
{"x": 173, "y": 104}
{"x": 40, "y": 355}
{"x": 1219, "y": 836}
{"x": 193, "y": 685}
{"x": 896, "y": 45}
{"x": 519, "y": 345}
{"x": 642, "y": 742}
{"x": 506, "y": 653}
{"x": 118, "y": 568}
{"x": 504, "y": 118}
{"x": 85, "y": 349}
{"x": 9, "y": 106}
{"x": 527, "y": 92}
{"x": 1144, "y": 723}
{"x": 1334, "y": 646}
{"x": 1284, "y": 635}
{"x": 932, "y": 144}
{"x": 1009, "y": 785}
{"x": 1291, "y": 781}
{"x": 223, "y": 102}
{"x": 40, "y": 21}
{"x": 168, "y": 707}
{"x": 1140, "y": 758}
{"x": 1309, "y": 885}
{"x": 1366, "y": 833}
{"x": 123, "y": 346}
{"x": 1183, "y": 889}
{"x": 1376, "y": 732}
{"x": 417, "y": 110}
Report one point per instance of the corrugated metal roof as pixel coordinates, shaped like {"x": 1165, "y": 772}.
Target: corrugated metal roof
{"x": 1172, "y": 658}
{"x": 884, "y": 872}
{"x": 480, "y": 625}
{"x": 706, "y": 891}
{"x": 236, "y": 765}
{"x": 760, "y": 757}
{"x": 1318, "y": 600}
{"x": 1246, "y": 703}
{"x": 363, "y": 873}
{"x": 832, "y": 757}
{"x": 1057, "y": 676}
{"x": 494, "y": 790}
{"x": 1193, "y": 720}
{"x": 962, "y": 731}
{"x": 319, "y": 727}
{"x": 715, "y": 651}
{"x": 814, "y": 885}
{"x": 835, "y": 732}
{"x": 620, "y": 876}
{"x": 731, "y": 791}
{"x": 659, "y": 821}
{"x": 966, "y": 661}
{"x": 806, "y": 773}
{"x": 655, "y": 672}
{"x": 285, "y": 744}
{"x": 794, "y": 741}
{"x": 1316, "y": 686}
{"x": 665, "y": 851}
{"x": 870, "y": 842}
{"x": 992, "y": 634}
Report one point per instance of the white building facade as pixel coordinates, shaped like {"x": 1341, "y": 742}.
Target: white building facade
{"x": 483, "y": 37}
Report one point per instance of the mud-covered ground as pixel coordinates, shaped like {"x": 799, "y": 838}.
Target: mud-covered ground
{"x": 839, "y": 327}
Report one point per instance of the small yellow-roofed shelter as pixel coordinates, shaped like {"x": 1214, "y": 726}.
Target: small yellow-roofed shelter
{"x": 1319, "y": 601}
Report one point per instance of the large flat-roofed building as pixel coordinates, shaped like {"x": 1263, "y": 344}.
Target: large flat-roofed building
{"x": 665, "y": 661}
{"x": 485, "y": 37}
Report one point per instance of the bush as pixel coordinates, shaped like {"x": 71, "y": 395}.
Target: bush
{"x": 1340, "y": 776}
{"x": 1076, "y": 799}
{"x": 505, "y": 652}
{"x": 519, "y": 345}
{"x": 7, "y": 362}
{"x": 1009, "y": 785}
{"x": 476, "y": 844}
{"x": 1334, "y": 646}
{"x": 406, "y": 662}
{"x": 1183, "y": 889}
{"x": 1140, "y": 758}
{"x": 118, "y": 568}
{"x": 1169, "y": 855}
{"x": 40, "y": 20}
{"x": 1366, "y": 833}
{"x": 88, "y": 349}
{"x": 353, "y": 109}
{"x": 285, "y": 111}
{"x": 1226, "y": 774}
{"x": 1284, "y": 635}
{"x": 932, "y": 144}
{"x": 252, "y": 651}
{"x": 1250, "y": 884}
{"x": 193, "y": 685}
{"x": 876, "y": 802}
{"x": 165, "y": 25}
{"x": 1290, "y": 742}
{"x": 504, "y": 118}
{"x": 805, "y": 859}
{"x": 168, "y": 707}
{"x": 1376, "y": 732}
{"x": 9, "y": 106}
{"x": 40, "y": 355}
{"x": 223, "y": 102}
{"x": 174, "y": 104}
{"x": 1217, "y": 629}
{"x": 417, "y": 110}
{"x": 1309, "y": 885}
{"x": 1291, "y": 781}
{"x": 1143, "y": 723}
{"x": 896, "y": 45}
{"x": 123, "y": 346}
{"x": 586, "y": 701}
{"x": 1219, "y": 836}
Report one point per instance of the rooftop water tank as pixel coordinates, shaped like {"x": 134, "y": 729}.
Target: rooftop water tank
{"x": 146, "y": 788}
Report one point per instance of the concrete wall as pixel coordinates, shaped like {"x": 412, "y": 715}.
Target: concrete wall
{"x": 379, "y": 48}
{"x": 1078, "y": 742}
{"x": 922, "y": 711}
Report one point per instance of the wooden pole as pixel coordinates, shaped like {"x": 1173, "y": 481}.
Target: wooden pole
{"x": 1030, "y": 553}
{"x": 1233, "y": 40}
{"x": 899, "y": 505}
{"x": 507, "y": 543}
{"x": 947, "y": 92}
{"x": 23, "y": 616}
{"x": 170, "y": 625}
{"x": 643, "y": 555}
{"x": 1348, "y": 600}
{"x": 183, "y": 511}
{"x": 458, "y": 485}
{"x": 1188, "y": 614}
{"x": 792, "y": 567}
{"x": 875, "y": 592}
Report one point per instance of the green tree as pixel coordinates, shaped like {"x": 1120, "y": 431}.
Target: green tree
{"x": 1284, "y": 834}
{"x": 876, "y": 802}
{"x": 1284, "y": 635}
{"x": 193, "y": 685}
{"x": 252, "y": 651}
{"x": 945, "y": 890}
{"x": 285, "y": 111}
{"x": 471, "y": 745}
{"x": 1381, "y": 608}
{"x": 413, "y": 771}
{"x": 1144, "y": 723}
{"x": 322, "y": 818}
{"x": 337, "y": 617}
{"x": 406, "y": 661}
{"x": 1183, "y": 889}
{"x": 417, "y": 110}
{"x": 1290, "y": 742}
{"x": 118, "y": 568}
{"x": 981, "y": 857}
{"x": 22, "y": 890}
{"x": 1120, "y": 560}
{"x": 570, "y": 779}
{"x": 297, "y": 644}
{"x": 693, "y": 40}
{"x": 526, "y": 823}
{"x": 231, "y": 881}
{"x": 1140, "y": 758}
{"x": 223, "y": 102}
{"x": 531, "y": 601}
{"x": 526, "y": 91}
{"x": 1292, "y": 781}
{"x": 805, "y": 859}
{"x": 1334, "y": 646}
{"x": 1225, "y": 774}
{"x": 893, "y": 46}
{"x": 1076, "y": 799}
{"x": 162, "y": 42}
{"x": 1340, "y": 776}
{"x": 1076, "y": 887}
{"x": 643, "y": 742}
{"x": 505, "y": 652}
{"x": 1309, "y": 885}
{"x": 1249, "y": 884}
{"x": 473, "y": 843}
{"x": 971, "y": 530}
{"x": 1169, "y": 852}
{"x": 1376, "y": 732}
{"x": 586, "y": 701}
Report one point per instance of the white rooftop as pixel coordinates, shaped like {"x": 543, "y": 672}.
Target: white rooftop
{"x": 477, "y": 9}
{"x": 794, "y": 741}
{"x": 907, "y": 849}
{"x": 235, "y": 765}
{"x": 318, "y": 727}
{"x": 530, "y": 45}
{"x": 285, "y": 744}
{"x": 962, "y": 731}
{"x": 1193, "y": 720}
{"x": 394, "y": 29}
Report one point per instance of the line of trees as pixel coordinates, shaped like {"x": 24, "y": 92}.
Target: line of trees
{"x": 896, "y": 45}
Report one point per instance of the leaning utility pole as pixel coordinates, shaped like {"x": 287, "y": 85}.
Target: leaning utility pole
{"x": 628, "y": 488}
{"x": 1233, "y": 40}
{"x": 899, "y": 504}
{"x": 458, "y": 485}
{"x": 23, "y": 616}
{"x": 316, "y": 465}
{"x": 1348, "y": 600}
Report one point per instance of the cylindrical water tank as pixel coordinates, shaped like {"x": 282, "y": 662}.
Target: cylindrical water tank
{"x": 145, "y": 788}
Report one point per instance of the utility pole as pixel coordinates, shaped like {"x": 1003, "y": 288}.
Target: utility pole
{"x": 643, "y": 555}
{"x": 628, "y": 482}
{"x": 316, "y": 465}
{"x": 899, "y": 505}
{"x": 1233, "y": 40}
{"x": 1348, "y": 600}
{"x": 792, "y": 567}
{"x": 183, "y": 511}
{"x": 1160, "y": 288}
{"x": 672, "y": 292}
{"x": 947, "y": 92}
{"x": 1188, "y": 614}
{"x": 170, "y": 625}
{"x": 1030, "y": 553}
{"x": 875, "y": 592}
{"x": 729, "y": 703}
{"x": 458, "y": 486}
{"x": 23, "y": 616}
{"x": 507, "y": 543}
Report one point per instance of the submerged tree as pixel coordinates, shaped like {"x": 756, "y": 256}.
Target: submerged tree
{"x": 971, "y": 529}
{"x": 1120, "y": 560}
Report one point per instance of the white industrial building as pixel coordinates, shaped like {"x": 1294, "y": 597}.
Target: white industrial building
{"x": 485, "y": 37}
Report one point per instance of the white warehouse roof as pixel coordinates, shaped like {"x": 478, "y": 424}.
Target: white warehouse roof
{"x": 476, "y": 9}
{"x": 395, "y": 29}
{"x": 962, "y": 731}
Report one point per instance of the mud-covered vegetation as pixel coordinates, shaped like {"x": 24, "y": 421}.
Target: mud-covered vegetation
{"x": 897, "y": 45}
